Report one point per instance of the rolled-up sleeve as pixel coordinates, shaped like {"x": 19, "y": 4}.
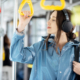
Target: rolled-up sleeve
{"x": 22, "y": 54}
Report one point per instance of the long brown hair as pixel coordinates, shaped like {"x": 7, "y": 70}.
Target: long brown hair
{"x": 6, "y": 41}
{"x": 59, "y": 20}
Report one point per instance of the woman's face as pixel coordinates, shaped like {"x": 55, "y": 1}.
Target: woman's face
{"x": 52, "y": 25}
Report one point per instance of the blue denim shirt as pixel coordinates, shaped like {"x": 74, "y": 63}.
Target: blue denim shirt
{"x": 47, "y": 64}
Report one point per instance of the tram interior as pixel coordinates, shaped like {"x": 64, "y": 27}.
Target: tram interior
{"x": 9, "y": 20}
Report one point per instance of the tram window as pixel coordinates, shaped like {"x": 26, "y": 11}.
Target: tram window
{"x": 37, "y": 28}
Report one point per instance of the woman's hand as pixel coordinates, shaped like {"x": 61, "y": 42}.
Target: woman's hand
{"x": 76, "y": 67}
{"x": 24, "y": 20}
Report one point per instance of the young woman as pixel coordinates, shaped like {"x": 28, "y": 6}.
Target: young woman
{"x": 52, "y": 59}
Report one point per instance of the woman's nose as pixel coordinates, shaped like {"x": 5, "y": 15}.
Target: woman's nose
{"x": 48, "y": 23}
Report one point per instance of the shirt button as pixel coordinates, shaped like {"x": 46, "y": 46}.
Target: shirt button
{"x": 60, "y": 72}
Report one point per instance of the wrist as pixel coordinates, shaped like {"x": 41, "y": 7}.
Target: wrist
{"x": 18, "y": 30}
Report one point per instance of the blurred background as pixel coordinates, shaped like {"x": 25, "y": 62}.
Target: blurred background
{"x": 9, "y": 19}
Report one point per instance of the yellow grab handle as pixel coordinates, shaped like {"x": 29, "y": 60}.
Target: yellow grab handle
{"x": 30, "y": 5}
{"x": 52, "y": 7}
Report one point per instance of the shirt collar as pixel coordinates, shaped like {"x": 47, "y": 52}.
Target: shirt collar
{"x": 70, "y": 43}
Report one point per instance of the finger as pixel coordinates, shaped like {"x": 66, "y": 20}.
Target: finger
{"x": 74, "y": 62}
{"x": 29, "y": 14}
{"x": 74, "y": 68}
{"x": 26, "y": 13}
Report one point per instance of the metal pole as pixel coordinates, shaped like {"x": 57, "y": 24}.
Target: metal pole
{"x": 0, "y": 14}
{"x": 70, "y": 1}
{"x": 1, "y": 51}
{"x": 1, "y": 39}
{"x": 25, "y": 45}
{"x": 74, "y": 4}
{"x": 15, "y": 25}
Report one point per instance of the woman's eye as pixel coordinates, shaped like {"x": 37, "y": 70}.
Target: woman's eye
{"x": 53, "y": 20}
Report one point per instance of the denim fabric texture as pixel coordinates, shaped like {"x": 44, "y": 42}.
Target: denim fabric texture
{"x": 47, "y": 64}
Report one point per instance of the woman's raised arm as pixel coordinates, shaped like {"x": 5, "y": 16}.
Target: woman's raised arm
{"x": 22, "y": 54}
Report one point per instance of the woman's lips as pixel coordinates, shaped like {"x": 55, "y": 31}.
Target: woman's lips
{"x": 48, "y": 27}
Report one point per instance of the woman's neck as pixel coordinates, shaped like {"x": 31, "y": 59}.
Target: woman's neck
{"x": 63, "y": 40}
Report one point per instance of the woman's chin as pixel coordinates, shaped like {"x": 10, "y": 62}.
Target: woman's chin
{"x": 50, "y": 32}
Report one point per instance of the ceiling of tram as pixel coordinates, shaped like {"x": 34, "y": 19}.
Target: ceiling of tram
{"x": 8, "y": 6}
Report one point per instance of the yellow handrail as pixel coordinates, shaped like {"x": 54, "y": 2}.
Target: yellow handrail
{"x": 52, "y": 7}
{"x": 29, "y": 65}
{"x": 30, "y": 5}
